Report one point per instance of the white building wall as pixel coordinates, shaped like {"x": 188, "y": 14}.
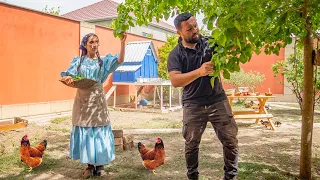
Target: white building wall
{"x": 155, "y": 32}
{"x": 287, "y": 95}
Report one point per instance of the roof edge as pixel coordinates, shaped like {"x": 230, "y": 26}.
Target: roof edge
{"x": 150, "y": 23}
{"x": 83, "y": 7}
{"x": 38, "y": 11}
{"x": 131, "y": 34}
{"x": 153, "y": 49}
{"x": 150, "y": 45}
{"x": 136, "y": 42}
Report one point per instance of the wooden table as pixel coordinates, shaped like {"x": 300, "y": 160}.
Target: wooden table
{"x": 261, "y": 113}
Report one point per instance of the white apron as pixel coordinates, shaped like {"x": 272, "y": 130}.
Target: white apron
{"x": 90, "y": 107}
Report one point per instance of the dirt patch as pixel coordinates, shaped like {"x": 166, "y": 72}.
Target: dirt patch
{"x": 264, "y": 154}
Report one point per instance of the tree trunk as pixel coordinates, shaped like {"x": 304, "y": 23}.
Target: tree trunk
{"x": 308, "y": 101}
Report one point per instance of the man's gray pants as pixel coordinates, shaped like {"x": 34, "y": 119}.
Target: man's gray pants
{"x": 195, "y": 120}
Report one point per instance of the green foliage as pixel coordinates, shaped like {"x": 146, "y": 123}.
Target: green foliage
{"x": 242, "y": 27}
{"x": 149, "y": 36}
{"x": 255, "y": 80}
{"x": 251, "y": 79}
{"x": 112, "y": 25}
{"x": 59, "y": 120}
{"x": 52, "y": 10}
{"x": 292, "y": 69}
{"x": 63, "y": 130}
{"x": 205, "y": 32}
{"x": 78, "y": 77}
{"x": 237, "y": 79}
{"x": 164, "y": 51}
{"x": 10, "y": 161}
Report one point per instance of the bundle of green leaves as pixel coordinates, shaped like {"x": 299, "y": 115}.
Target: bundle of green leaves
{"x": 78, "y": 77}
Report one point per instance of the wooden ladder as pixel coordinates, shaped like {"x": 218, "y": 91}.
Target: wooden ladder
{"x": 111, "y": 90}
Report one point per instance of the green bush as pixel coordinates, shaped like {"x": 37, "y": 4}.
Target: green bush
{"x": 164, "y": 51}
{"x": 251, "y": 79}
{"x": 293, "y": 69}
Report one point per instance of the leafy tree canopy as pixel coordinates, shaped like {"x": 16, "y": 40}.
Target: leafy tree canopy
{"x": 54, "y": 11}
{"x": 242, "y": 27}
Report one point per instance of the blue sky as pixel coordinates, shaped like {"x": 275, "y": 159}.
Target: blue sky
{"x": 66, "y": 5}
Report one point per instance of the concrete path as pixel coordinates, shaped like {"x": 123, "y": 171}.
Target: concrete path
{"x": 288, "y": 107}
{"x": 45, "y": 120}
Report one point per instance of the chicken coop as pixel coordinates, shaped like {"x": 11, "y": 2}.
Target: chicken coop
{"x": 141, "y": 61}
{"x": 140, "y": 70}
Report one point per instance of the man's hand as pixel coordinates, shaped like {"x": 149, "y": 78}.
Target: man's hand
{"x": 206, "y": 68}
{"x": 179, "y": 79}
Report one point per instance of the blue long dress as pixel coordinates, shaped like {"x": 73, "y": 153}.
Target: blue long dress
{"x": 91, "y": 139}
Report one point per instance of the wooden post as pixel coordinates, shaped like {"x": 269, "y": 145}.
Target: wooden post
{"x": 230, "y": 98}
{"x": 161, "y": 97}
{"x": 154, "y": 95}
{"x": 170, "y": 95}
{"x": 114, "y": 97}
{"x": 129, "y": 98}
{"x": 136, "y": 99}
{"x": 179, "y": 94}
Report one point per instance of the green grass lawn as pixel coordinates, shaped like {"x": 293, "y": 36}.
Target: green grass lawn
{"x": 281, "y": 114}
{"x": 264, "y": 154}
{"x": 289, "y": 115}
{"x": 273, "y": 159}
{"x": 317, "y": 107}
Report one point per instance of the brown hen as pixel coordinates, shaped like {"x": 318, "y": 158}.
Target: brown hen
{"x": 152, "y": 158}
{"x": 31, "y": 156}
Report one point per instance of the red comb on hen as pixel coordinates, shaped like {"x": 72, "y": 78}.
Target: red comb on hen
{"x": 25, "y": 137}
{"x": 158, "y": 139}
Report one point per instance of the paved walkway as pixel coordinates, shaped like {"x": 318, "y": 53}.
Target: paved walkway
{"x": 45, "y": 119}
{"x": 150, "y": 131}
{"x": 288, "y": 107}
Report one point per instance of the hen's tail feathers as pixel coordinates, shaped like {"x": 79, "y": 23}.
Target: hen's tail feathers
{"x": 45, "y": 142}
{"x": 139, "y": 145}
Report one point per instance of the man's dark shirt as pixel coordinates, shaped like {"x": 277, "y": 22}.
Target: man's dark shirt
{"x": 186, "y": 60}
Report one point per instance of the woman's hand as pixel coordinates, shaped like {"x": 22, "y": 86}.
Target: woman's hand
{"x": 68, "y": 80}
{"x": 124, "y": 38}
{"x": 123, "y": 47}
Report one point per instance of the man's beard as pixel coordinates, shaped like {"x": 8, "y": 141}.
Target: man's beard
{"x": 193, "y": 40}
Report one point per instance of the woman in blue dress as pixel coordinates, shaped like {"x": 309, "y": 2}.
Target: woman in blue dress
{"x": 91, "y": 139}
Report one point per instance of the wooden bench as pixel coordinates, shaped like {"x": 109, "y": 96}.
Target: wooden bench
{"x": 9, "y": 127}
{"x": 249, "y": 111}
{"x": 257, "y": 117}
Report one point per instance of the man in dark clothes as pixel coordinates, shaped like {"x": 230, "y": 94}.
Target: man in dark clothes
{"x": 189, "y": 66}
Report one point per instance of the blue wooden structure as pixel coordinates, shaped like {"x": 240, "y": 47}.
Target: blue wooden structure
{"x": 141, "y": 61}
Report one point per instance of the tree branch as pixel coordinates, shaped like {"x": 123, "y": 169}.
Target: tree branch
{"x": 310, "y": 31}
{"x": 317, "y": 100}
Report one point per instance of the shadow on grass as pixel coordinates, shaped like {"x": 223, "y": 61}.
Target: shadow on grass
{"x": 54, "y": 161}
{"x": 251, "y": 171}
{"x": 262, "y": 156}
{"x": 289, "y": 115}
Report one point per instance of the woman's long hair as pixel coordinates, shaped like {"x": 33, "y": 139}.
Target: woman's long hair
{"x": 84, "y": 51}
